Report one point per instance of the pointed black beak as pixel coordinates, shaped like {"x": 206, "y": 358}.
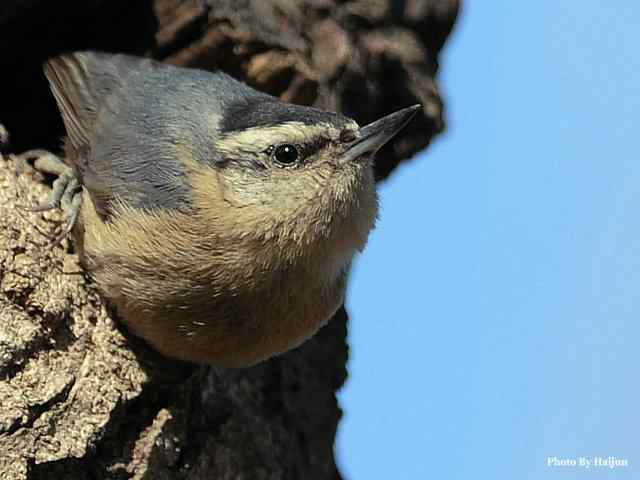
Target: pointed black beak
{"x": 376, "y": 134}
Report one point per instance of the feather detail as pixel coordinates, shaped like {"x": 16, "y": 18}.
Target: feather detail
{"x": 74, "y": 92}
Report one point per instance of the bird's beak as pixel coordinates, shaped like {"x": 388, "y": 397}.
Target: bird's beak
{"x": 376, "y": 134}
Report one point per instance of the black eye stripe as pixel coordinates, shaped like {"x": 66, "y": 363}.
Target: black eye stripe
{"x": 305, "y": 150}
{"x": 314, "y": 146}
{"x": 246, "y": 163}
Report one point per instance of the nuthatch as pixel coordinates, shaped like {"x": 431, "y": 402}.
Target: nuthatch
{"x": 218, "y": 220}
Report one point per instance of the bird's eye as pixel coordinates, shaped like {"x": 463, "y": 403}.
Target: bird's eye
{"x": 285, "y": 154}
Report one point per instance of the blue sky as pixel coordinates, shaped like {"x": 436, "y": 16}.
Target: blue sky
{"x": 495, "y": 311}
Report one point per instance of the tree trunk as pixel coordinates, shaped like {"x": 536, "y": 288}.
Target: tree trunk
{"x": 79, "y": 397}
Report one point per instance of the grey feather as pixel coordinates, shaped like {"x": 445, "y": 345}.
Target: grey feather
{"x": 125, "y": 116}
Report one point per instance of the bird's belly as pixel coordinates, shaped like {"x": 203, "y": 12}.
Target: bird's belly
{"x": 204, "y": 308}
{"x": 235, "y": 332}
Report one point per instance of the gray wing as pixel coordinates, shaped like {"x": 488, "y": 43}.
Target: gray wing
{"x": 129, "y": 120}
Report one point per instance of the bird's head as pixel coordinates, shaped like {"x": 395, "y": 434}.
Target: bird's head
{"x": 298, "y": 174}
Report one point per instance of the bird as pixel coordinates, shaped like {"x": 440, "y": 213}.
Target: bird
{"x": 218, "y": 221}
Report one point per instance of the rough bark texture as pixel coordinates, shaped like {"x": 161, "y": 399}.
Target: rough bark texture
{"x": 79, "y": 397}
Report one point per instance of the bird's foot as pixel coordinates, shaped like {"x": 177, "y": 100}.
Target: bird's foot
{"x": 66, "y": 193}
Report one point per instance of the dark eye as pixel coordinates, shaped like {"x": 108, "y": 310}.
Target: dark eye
{"x": 286, "y": 154}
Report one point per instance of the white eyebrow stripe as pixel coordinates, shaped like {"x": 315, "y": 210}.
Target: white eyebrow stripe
{"x": 258, "y": 138}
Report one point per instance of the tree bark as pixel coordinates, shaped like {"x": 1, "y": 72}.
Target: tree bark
{"x": 79, "y": 397}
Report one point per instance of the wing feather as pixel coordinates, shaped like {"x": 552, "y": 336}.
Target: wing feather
{"x": 116, "y": 112}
